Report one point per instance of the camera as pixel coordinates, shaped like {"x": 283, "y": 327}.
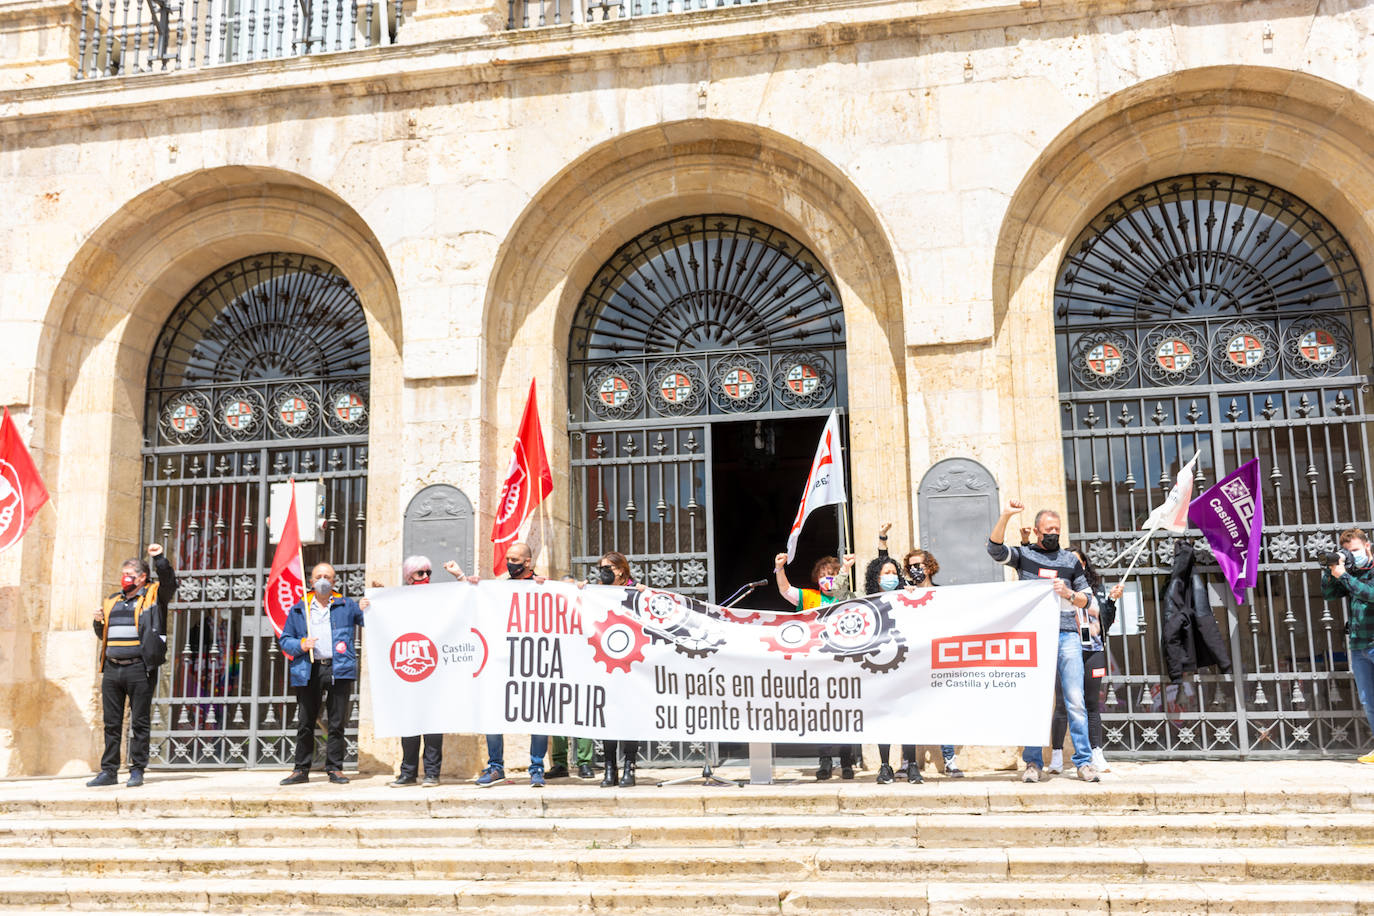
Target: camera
{"x": 1339, "y": 555}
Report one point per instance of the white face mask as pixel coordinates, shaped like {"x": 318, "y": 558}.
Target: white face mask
{"x": 1361, "y": 556}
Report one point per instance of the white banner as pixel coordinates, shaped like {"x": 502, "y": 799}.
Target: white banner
{"x": 969, "y": 664}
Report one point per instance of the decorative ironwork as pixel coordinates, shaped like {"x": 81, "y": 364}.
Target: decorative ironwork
{"x": 177, "y": 36}
{"x": 697, "y": 319}
{"x": 1234, "y": 306}
{"x": 230, "y": 348}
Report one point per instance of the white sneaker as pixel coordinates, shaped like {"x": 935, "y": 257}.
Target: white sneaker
{"x": 1056, "y": 762}
{"x": 1100, "y": 761}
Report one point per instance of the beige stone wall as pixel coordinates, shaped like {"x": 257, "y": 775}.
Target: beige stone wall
{"x": 936, "y": 156}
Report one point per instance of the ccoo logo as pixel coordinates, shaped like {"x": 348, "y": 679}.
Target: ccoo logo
{"x": 413, "y": 657}
{"x": 11, "y": 505}
{"x": 984, "y": 650}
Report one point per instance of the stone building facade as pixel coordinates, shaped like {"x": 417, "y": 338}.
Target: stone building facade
{"x": 937, "y": 161}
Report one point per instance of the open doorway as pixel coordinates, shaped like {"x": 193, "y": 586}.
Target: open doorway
{"x": 759, "y": 469}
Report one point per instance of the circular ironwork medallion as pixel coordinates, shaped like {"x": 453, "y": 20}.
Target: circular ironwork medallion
{"x": 293, "y": 411}
{"x": 184, "y": 418}
{"x": 1244, "y": 350}
{"x": 614, "y": 391}
{"x": 675, "y": 387}
{"x": 803, "y": 379}
{"x": 737, "y": 383}
{"x": 348, "y": 407}
{"x": 238, "y": 415}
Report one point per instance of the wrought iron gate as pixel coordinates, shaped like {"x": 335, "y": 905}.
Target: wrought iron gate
{"x": 260, "y": 375}
{"x": 1218, "y": 314}
{"x": 699, "y": 320}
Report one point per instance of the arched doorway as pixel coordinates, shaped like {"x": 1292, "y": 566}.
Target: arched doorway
{"x": 1222, "y": 315}
{"x": 703, "y": 360}
{"x": 259, "y": 375}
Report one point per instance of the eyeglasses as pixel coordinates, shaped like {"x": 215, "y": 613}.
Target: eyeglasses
{"x": 420, "y": 574}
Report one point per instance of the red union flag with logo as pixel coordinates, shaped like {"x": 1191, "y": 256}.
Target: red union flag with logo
{"x": 286, "y": 582}
{"x": 825, "y": 482}
{"x": 22, "y": 492}
{"x": 528, "y": 481}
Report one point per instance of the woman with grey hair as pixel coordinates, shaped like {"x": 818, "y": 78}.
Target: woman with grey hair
{"x": 417, "y": 570}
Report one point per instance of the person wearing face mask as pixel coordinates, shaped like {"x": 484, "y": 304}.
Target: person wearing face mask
{"x": 614, "y": 569}
{"x": 831, "y": 576}
{"x": 519, "y": 567}
{"x": 418, "y": 570}
{"x": 1357, "y": 585}
{"x": 1045, "y": 559}
{"x": 133, "y": 645}
{"x": 320, "y": 639}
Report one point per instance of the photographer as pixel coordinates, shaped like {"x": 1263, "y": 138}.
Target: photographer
{"x": 1348, "y": 575}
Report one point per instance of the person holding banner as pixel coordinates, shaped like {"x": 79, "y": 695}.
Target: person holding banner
{"x": 519, "y": 565}
{"x": 319, "y": 639}
{"x": 1045, "y": 559}
{"x": 417, "y": 570}
{"x": 826, "y": 573}
{"x": 614, "y": 569}
{"x": 1356, "y": 582}
{"x": 1094, "y": 670}
{"x": 131, "y": 625}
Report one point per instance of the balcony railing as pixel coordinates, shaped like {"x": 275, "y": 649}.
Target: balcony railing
{"x": 528, "y": 14}
{"x": 127, "y": 37}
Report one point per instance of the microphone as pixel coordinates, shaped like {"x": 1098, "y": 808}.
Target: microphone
{"x": 759, "y": 584}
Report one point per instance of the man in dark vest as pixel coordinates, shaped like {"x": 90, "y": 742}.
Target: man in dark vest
{"x": 133, "y": 644}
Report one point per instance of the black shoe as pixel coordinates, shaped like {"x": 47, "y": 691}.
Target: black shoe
{"x": 586, "y": 771}
{"x": 885, "y": 775}
{"x": 296, "y": 778}
{"x": 558, "y": 772}
{"x": 913, "y": 773}
{"x": 611, "y": 778}
{"x": 627, "y": 776}
{"x": 338, "y": 778}
{"x": 103, "y": 778}
{"x": 135, "y": 779}
{"x": 846, "y": 772}
{"x": 430, "y": 781}
{"x": 401, "y": 781}
{"x": 823, "y": 771}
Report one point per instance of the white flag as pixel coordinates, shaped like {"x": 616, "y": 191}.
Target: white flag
{"x": 1172, "y": 514}
{"x": 825, "y": 483}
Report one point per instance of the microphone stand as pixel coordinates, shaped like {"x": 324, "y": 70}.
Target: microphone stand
{"x": 707, "y": 777}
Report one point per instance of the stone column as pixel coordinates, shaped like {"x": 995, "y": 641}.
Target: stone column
{"x": 38, "y": 42}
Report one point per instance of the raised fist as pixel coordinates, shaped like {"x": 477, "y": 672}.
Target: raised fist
{"x": 887, "y": 526}
{"x": 1013, "y": 506}
{"x": 779, "y": 561}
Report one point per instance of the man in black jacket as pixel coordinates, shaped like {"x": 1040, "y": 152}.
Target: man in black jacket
{"x": 131, "y": 626}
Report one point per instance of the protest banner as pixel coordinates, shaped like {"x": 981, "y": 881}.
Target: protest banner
{"x": 969, "y": 664}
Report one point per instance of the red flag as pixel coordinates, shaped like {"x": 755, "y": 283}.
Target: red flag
{"x": 286, "y": 582}
{"x": 22, "y": 492}
{"x": 528, "y": 481}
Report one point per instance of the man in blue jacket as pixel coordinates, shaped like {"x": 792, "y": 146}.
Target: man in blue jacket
{"x": 319, "y": 638}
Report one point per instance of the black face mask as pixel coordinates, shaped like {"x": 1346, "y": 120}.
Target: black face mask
{"x": 516, "y": 570}
{"x": 605, "y": 575}
{"x": 1049, "y": 543}
{"x": 916, "y": 573}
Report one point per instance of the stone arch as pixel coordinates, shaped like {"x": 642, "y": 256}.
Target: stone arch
{"x": 110, "y": 305}
{"x": 646, "y": 177}
{"x": 1298, "y": 132}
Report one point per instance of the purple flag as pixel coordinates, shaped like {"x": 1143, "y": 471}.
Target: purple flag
{"x": 1231, "y": 515}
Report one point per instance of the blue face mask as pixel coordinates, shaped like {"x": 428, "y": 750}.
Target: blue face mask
{"x": 1362, "y": 558}
{"x": 889, "y": 581}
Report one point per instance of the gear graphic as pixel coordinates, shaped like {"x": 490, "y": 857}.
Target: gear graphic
{"x": 793, "y": 636}
{"x": 746, "y": 616}
{"x": 618, "y": 642}
{"x": 697, "y": 647}
{"x": 854, "y": 627}
{"x": 870, "y": 661}
{"x": 922, "y": 599}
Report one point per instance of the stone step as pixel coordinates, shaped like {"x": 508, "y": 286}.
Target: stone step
{"x": 646, "y": 896}
{"x": 922, "y": 830}
{"x": 466, "y": 801}
{"x": 1339, "y": 864}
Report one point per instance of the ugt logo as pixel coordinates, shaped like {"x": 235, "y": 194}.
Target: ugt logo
{"x": 413, "y": 657}
{"x": 984, "y": 650}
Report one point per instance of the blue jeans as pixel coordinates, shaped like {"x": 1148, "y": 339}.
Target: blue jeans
{"x": 1070, "y": 674}
{"x": 1362, "y": 666}
{"x": 496, "y": 752}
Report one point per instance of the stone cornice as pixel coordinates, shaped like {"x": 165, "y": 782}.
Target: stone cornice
{"x": 780, "y": 26}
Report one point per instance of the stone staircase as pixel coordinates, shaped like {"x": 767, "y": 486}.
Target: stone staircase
{"x": 1239, "y": 838}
